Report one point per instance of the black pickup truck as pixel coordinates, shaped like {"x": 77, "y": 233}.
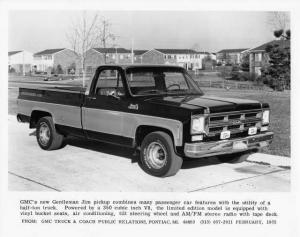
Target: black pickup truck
{"x": 157, "y": 109}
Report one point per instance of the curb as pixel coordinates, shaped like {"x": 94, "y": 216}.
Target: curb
{"x": 266, "y": 159}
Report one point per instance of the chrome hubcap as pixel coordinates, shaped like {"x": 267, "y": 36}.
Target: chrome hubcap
{"x": 156, "y": 155}
{"x": 44, "y": 134}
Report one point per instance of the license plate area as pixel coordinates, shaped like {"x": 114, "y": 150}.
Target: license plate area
{"x": 252, "y": 130}
{"x": 239, "y": 145}
{"x": 225, "y": 135}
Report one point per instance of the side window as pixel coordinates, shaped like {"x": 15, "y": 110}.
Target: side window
{"x": 109, "y": 83}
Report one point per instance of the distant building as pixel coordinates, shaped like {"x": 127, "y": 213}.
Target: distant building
{"x": 50, "y": 59}
{"x": 20, "y": 61}
{"x": 258, "y": 57}
{"x": 154, "y": 56}
{"x": 95, "y": 57}
{"x": 230, "y": 56}
{"x": 187, "y": 58}
{"x": 138, "y": 55}
{"x": 213, "y": 56}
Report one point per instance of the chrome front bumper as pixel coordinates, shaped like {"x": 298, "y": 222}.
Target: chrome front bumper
{"x": 204, "y": 149}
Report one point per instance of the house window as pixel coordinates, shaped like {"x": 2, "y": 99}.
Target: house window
{"x": 258, "y": 57}
{"x": 48, "y": 57}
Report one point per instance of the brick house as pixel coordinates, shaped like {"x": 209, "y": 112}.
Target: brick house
{"x": 138, "y": 55}
{"x": 230, "y": 56}
{"x": 50, "y": 59}
{"x": 20, "y": 61}
{"x": 95, "y": 57}
{"x": 154, "y": 56}
{"x": 258, "y": 57}
{"x": 187, "y": 58}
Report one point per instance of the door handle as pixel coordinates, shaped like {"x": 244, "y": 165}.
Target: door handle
{"x": 92, "y": 98}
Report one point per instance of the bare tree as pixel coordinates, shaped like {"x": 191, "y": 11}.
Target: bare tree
{"x": 106, "y": 37}
{"x": 83, "y": 35}
{"x": 280, "y": 24}
{"x": 279, "y": 20}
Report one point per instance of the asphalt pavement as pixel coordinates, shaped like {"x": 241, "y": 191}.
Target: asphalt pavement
{"x": 92, "y": 166}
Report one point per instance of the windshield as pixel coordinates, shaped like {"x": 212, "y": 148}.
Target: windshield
{"x": 160, "y": 80}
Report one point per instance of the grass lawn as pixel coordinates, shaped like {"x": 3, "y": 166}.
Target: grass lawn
{"x": 280, "y": 114}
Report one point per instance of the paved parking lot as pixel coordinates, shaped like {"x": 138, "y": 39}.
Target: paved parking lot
{"x": 91, "y": 166}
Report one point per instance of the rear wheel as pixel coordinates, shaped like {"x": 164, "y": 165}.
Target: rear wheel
{"x": 47, "y": 136}
{"x": 235, "y": 157}
{"x": 158, "y": 157}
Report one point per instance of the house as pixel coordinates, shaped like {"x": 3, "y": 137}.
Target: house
{"x": 95, "y": 57}
{"x": 230, "y": 56}
{"x": 50, "y": 60}
{"x": 258, "y": 56}
{"x": 20, "y": 61}
{"x": 198, "y": 60}
{"x": 187, "y": 58}
{"x": 213, "y": 56}
{"x": 138, "y": 55}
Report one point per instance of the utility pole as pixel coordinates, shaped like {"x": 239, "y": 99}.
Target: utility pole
{"x": 23, "y": 63}
{"x": 117, "y": 58}
{"x": 132, "y": 55}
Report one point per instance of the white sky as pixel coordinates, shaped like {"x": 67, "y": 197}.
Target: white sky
{"x": 206, "y": 31}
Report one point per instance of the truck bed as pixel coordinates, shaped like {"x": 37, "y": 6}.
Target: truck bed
{"x": 70, "y": 95}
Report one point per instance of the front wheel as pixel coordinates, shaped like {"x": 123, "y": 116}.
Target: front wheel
{"x": 158, "y": 157}
{"x": 47, "y": 136}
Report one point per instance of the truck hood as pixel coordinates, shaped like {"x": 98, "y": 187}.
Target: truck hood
{"x": 212, "y": 103}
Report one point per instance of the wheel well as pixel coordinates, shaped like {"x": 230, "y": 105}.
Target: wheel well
{"x": 35, "y": 116}
{"x": 143, "y": 130}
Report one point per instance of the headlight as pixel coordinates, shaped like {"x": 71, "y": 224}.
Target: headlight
{"x": 266, "y": 117}
{"x": 198, "y": 125}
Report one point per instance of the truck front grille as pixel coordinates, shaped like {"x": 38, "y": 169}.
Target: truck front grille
{"x": 235, "y": 122}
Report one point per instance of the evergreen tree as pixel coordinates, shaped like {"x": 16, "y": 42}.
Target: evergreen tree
{"x": 277, "y": 72}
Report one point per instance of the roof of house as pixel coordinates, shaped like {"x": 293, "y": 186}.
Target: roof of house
{"x": 13, "y": 52}
{"x": 112, "y": 50}
{"x": 231, "y": 50}
{"x": 139, "y": 51}
{"x": 48, "y": 51}
{"x": 202, "y": 52}
{"x": 280, "y": 43}
{"x": 177, "y": 51}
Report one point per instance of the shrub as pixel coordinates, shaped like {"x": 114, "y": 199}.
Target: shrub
{"x": 11, "y": 70}
{"x": 277, "y": 72}
{"x": 243, "y": 76}
{"x": 59, "y": 69}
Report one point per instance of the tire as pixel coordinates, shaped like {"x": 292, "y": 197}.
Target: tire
{"x": 235, "y": 157}
{"x": 159, "y": 144}
{"x": 47, "y": 136}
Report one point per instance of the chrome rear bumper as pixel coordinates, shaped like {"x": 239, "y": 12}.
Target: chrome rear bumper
{"x": 204, "y": 149}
